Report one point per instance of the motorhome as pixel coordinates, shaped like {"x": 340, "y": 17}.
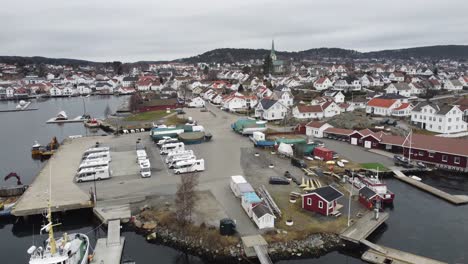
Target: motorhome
{"x": 173, "y": 154}
{"x": 176, "y": 159}
{"x": 98, "y": 156}
{"x": 166, "y": 148}
{"x": 187, "y": 166}
{"x": 93, "y": 174}
{"x": 95, "y": 150}
{"x": 145, "y": 168}
{"x": 93, "y": 163}
{"x": 141, "y": 155}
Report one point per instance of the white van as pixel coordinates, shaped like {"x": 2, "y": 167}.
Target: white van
{"x": 91, "y": 174}
{"x": 187, "y": 166}
{"x": 99, "y": 156}
{"x": 93, "y": 163}
{"x": 95, "y": 150}
{"x": 166, "y": 148}
{"x": 141, "y": 155}
{"x": 176, "y": 159}
{"x": 173, "y": 154}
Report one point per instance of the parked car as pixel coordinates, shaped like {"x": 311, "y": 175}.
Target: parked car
{"x": 392, "y": 122}
{"x": 279, "y": 180}
{"x": 180, "y": 111}
{"x": 298, "y": 163}
{"x": 384, "y": 121}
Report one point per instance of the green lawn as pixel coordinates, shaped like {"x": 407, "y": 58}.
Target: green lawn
{"x": 374, "y": 166}
{"x": 147, "y": 116}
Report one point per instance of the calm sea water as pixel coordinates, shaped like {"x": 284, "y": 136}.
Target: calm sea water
{"x": 419, "y": 223}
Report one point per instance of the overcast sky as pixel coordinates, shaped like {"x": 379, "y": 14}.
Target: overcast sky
{"x": 132, "y": 30}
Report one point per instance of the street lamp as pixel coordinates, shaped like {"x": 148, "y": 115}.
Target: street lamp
{"x": 95, "y": 190}
{"x": 350, "y": 197}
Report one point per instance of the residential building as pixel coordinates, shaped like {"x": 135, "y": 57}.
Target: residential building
{"x": 322, "y": 200}
{"x": 382, "y": 106}
{"x": 270, "y": 110}
{"x": 438, "y": 118}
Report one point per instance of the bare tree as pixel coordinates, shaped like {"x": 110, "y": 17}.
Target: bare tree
{"x": 186, "y": 197}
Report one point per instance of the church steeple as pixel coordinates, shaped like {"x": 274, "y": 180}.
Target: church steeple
{"x": 272, "y": 53}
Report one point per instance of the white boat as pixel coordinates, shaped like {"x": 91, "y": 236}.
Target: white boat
{"x": 340, "y": 163}
{"x": 344, "y": 161}
{"x": 61, "y": 116}
{"x": 415, "y": 178}
{"x": 68, "y": 249}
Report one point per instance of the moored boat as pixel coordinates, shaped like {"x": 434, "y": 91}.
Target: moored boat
{"x": 61, "y": 116}
{"x": 373, "y": 183}
{"x": 39, "y": 151}
{"x": 92, "y": 123}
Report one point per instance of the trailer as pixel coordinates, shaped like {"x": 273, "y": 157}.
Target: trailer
{"x": 160, "y": 133}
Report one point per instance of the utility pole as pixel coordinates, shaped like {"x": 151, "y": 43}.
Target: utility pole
{"x": 350, "y": 197}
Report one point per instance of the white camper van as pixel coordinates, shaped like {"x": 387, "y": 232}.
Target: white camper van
{"x": 93, "y": 163}
{"x": 187, "y": 166}
{"x": 95, "y": 150}
{"x": 98, "y": 156}
{"x": 173, "y": 154}
{"x": 166, "y": 148}
{"x": 141, "y": 155}
{"x": 145, "y": 168}
{"x": 178, "y": 158}
{"x": 91, "y": 174}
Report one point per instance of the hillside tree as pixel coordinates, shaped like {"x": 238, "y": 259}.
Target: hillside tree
{"x": 267, "y": 65}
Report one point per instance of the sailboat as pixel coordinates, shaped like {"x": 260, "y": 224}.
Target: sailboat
{"x": 68, "y": 249}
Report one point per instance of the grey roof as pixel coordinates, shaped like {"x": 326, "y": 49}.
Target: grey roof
{"x": 392, "y": 96}
{"x": 102, "y": 84}
{"x": 439, "y": 109}
{"x": 245, "y": 187}
{"x": 367, "y": 192}
{"x": 402, "y": 86}
{"x": 456, "y": 82}
{"x": 130, "y": 79}
{"x": 267, "y": 103}
{"x": 328, "y": 193}
{"x": 261, "y": 210}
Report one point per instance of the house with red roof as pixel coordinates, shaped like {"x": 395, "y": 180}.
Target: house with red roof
{"x": 302, "y": 111}
{"x": 382, "y": 106}
{"x": 237, "y": 102}
{"x": 323, "y": 83}
{"x": 316, "y": 128}
{"x": 403, "y": 110}
{"x": 366, "y": 138}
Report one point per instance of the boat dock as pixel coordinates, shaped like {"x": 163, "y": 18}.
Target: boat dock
{"x": 381, "y": 255}
{"x": 363, "y": 227}
{"x": 455, "y": 199}
{"x": 109, "y": 250}
{"x": 66, "y": 195}
{"x": 256, "y": 246}
{"x": 18, "y": 110}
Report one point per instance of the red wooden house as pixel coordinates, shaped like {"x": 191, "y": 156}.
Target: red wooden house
{"x": 369, "y": 198}
{"x": 366, "y": 138}
{"x": 322, "y": 200}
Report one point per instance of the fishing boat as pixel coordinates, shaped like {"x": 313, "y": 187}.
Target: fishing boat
{"x": 373, "y": 183}
{"x": 69, "y": 249}
{"x": 39, "y": 151}
{"x": 91, "y": 123}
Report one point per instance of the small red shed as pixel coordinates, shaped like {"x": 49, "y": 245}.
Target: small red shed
{"x": 322, "y": 200}
{"x": 323, "y": 153}
{"x": 369, "y": 198}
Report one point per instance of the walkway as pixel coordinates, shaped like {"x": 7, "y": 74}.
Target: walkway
{"x": 364, "y": 226}
{"x": 455, "y": 199}
{"x": 109, "y": 250}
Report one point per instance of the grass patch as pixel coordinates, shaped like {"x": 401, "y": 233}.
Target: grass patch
{"x": 374, "y": 166}
{"x": 147, "y": 116}
{"x": 174, "y": 120}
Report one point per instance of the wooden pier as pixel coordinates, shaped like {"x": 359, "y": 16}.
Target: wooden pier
{"x": 363, "y": 227}
{"x": 381, "y": 255}
{"x": 455, "y": 199}
{"x": 109, "y": 250}
{"x": 256, "y": 246}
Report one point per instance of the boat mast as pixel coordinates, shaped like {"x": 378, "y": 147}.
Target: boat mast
{"x": 53, "y": 247}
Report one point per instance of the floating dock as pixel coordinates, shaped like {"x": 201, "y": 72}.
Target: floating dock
{"x": 381, "y": 255}
{"x": 455, "y": 199}
{"x": 61, "y": 169}
{"x": 109, "y": 250}
{"x": 18, "y": 110}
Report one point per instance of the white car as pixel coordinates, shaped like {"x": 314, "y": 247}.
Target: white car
{"x": 167, "y": 140}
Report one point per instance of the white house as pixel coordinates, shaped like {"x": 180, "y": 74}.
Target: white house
{"x": 330, "y": 109}
{"x": 83, "y": 89}
{"x": 316, "y": 128}
{"x": 55, "y": 91}
{"x": 307, "y": 111}
{"x": 10, "y": 92}
{"x": 381, "y": 106}
{"x": 284, "y": 96}
{"x": 270, "y": 110}
{"x": 68, "y": 91}
{"x": 197, "y": 102}
{"x": 323, "y": 83}
{"x": 338, "y": 96}
{"x": 238, "y": 101}
{"x": 438, "y": 118}
{"x": 399, "y": 88}
{"x": 396, "y": 77}
{"x": 453, "y": 85}
{"x": 403, "y": 110}
{"x": 263, "y": 217}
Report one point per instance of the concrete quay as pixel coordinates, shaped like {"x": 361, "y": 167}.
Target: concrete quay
{"x": 109, "y": 250}
{"x": 455, "y": 199}
{"x": 363, "y": 227}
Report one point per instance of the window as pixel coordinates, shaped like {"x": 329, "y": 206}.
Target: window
{"x": 450, "y": 119}
{"x": 309, "y": 201}
{"x": 448, "y": 128}
{"x": 440, "y": 127}
{"x": 431, "y": 154}
{"x": 440, "y": 119}
{"x": 456, "y": 160}
{"x": 320, "y": 204}
{"x": 444, "y": 158}
{"x": 421, "y": 153}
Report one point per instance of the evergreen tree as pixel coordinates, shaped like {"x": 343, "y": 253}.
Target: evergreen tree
{"x": 267, "y": 65}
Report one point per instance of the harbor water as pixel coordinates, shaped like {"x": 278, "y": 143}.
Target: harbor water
{"x": 419, "y": 222}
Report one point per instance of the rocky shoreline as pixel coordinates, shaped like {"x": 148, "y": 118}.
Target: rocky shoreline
{"x": 315, "y": 245}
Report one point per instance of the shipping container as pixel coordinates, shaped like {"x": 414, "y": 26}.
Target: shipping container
{"x": 323, "y": 153}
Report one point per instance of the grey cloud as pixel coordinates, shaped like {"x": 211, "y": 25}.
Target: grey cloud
{"x": 157, "y": 30}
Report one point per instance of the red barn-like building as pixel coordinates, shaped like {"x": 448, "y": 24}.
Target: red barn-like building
{"x": 369, "y": 198}
{"x": 322, "y": 200}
